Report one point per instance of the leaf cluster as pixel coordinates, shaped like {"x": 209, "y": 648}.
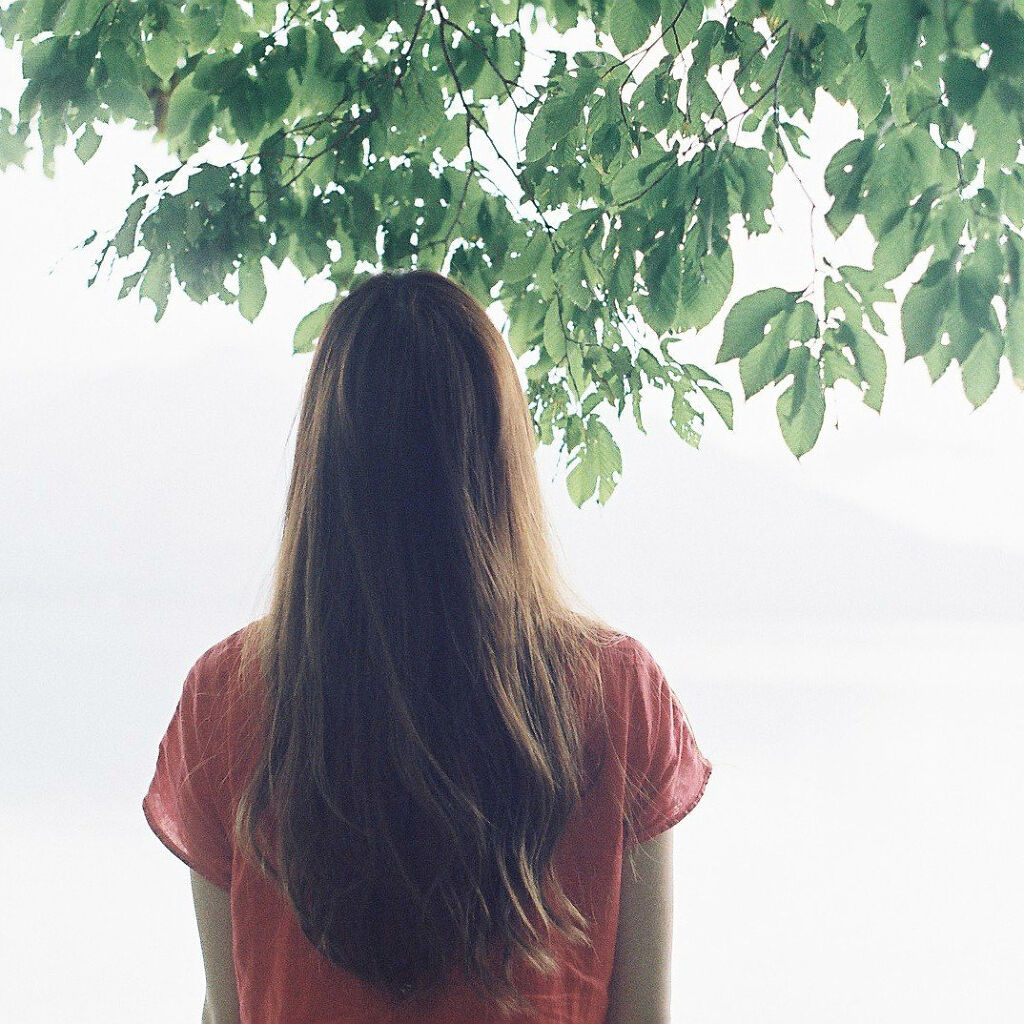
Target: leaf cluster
{"x": 366, "y": 138}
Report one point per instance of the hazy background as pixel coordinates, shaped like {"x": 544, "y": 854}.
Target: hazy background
{"x": 845, "y": 633}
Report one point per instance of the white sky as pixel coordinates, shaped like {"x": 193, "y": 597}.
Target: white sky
{"x": 845, "y": 631}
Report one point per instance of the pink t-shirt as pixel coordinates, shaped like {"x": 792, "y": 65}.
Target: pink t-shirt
{"x": 283, "y": 979}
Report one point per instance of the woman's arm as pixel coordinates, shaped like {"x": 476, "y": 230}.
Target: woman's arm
{"x": 640, "y": 986}
{"x": 213, "y": 915}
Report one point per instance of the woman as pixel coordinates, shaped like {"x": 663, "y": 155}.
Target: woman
{"x": 424, "y": 787}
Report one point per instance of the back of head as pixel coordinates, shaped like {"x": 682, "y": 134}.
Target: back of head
{"x": 425, "y": 677}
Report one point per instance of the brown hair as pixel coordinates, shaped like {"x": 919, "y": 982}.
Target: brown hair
{"x": 425, "y": 678}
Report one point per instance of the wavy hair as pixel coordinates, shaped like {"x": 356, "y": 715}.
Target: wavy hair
{"x": 425, "y": 677}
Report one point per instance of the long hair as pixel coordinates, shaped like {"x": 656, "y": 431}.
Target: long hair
{"x": 425, "y": 677}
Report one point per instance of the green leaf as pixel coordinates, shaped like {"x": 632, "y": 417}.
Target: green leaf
{"x": 964, "y": 331}
{"x": 898, "y": 245}
{"x": 74, "y": 15}
{"x": 1000, "y": 26}
{"x": 745, "y": 325}
{"x": 866, "y": 91}
{"x": 632, "y": 179}
{"x": 981, "y": 369}
{"x": 252, "y": 288}
{"x": 924, "y": 310}
{"x": 755, "y": 194}
{"x": 703, "y": 290}
{"x": 419, "y": 107}
{"x": 570, "y": 276}
{"x": 844, "y": 179}
{"x": 892, "y": 32}
{"x": 525, "y": 324}
{"x": 1014, "y": 339}
{"x": 630, "y": 22}
{"x": 680, "y": 22}
{"x": 871, "y": 364}
{"x": 129, "y": 283}
{"x": 837, "y": 365}
{"x": 978, "y": 282}
{"x": 836, "y": 51}
{"x": 803, "y": 15}
{"x": 521, "y": 267}
{"x": 607, "y": 457}
{"x": 538, "y": 145}
{"x": 801, "y": 407}
{"x": 554, "y": 335}
{"x": 13, "y": 149}
{"x": 581, "y": 481}
{"x": 997, "y": 131}
{"x": 201, "y": 26}
{"x": 694, "y": 372}
{"x": 722, "y": 401}
{"x": 578, "y": 377}
{"x": 937, "y": 359}
{"x": 163, "y": 51}
{"x": 574, "y": 434}
{"x": 765, "y": 362}
{"x": 87, "y": 144}
{"x": 182, "y": 107}
{"x": 539, "y": 370}
{"x": 124, "y": 240}
{"x": 662, "y": 269}
{"x": 965, "y": 82}
{"x": 870, "y": 289}
{"x": 771, "y": 359}
{"x": 653, "y": 102}
{"x": 156, "y": 282}
{"x": 684, "y": 416}
{"x": 310, "y": 327}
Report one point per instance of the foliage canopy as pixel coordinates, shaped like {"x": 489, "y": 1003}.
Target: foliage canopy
{"x": 361, "y": 130}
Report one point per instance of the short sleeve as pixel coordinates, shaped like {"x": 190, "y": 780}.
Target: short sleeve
{"x": 187, "y": 798}
{"x": 666, "y": 773}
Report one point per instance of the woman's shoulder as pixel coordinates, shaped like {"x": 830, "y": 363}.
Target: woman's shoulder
{"x": 224, "y": 696}
{"x": 218, "y": 666}
{"x": 628, "y": 670}
{"x": 623, "y": 650}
